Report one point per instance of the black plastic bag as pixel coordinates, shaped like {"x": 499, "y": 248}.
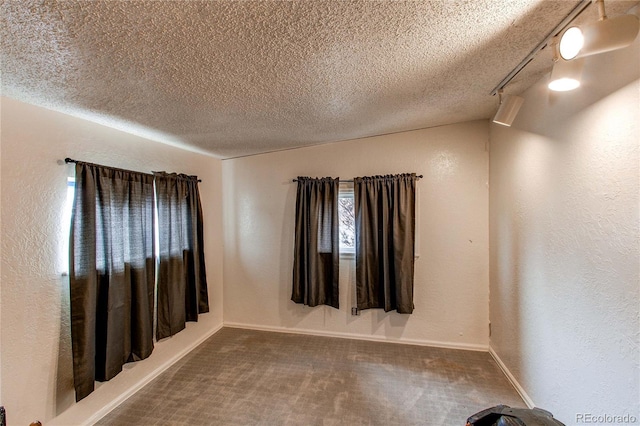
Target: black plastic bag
{"x": 503, "y": 415}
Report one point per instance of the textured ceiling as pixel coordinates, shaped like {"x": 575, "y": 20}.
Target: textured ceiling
{"x": 239, "y": 78}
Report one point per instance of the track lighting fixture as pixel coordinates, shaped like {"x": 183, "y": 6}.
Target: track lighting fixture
{"x": 576, "y": 42}
{"x": 601, "y": 36}
{"x": 509, "y": 107}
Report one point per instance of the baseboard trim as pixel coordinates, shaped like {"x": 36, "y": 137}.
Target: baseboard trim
{"x": 373, "y": 338}
{"x": 512, "y": 379}
{"x": 149, "y": 377}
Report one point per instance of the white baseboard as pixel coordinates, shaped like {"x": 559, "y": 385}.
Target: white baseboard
{"x": 512, "y": 379}
{"x": 106, "y": 409}
{"x": 373, "y": 338}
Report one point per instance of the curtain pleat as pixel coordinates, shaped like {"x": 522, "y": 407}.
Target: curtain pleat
{"x": 316, "y": 253}
{"x": 385, "y": 235}
{"x": 112, "y": 272}
{"x": 182, "y": 281}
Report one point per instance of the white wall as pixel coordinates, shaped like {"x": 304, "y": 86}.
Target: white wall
{"x": 451, "y": 274}
{"x": 564, "y": 200}
{"x": 36, "y": 350}
{"x": 1, "y": 399}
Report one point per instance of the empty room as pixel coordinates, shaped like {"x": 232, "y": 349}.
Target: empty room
{"x": 319, "y": 212}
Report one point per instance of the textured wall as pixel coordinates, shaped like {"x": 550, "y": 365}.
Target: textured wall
{"x": 1, "y": 400}
{"x": 36, "y": 352}
{"x": 451, "y": 278}
{"x": 564, "y": 199}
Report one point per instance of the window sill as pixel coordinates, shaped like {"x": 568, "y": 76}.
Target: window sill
{"x": 351, "y": 255}
{"x": 347, "y": 255}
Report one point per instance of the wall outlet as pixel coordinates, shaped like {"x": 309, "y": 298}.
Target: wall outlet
{"x": 355, "y": 311}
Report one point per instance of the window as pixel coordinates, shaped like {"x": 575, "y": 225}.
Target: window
{"x": 346, "y": 219}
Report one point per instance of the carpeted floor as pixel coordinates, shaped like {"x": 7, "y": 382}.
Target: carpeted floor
{"x": 247, "y": 377}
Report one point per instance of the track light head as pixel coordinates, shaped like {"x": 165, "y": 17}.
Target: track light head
{"x": 566, "y": 75}
{"x": 571, "y": 42}
{"x": 598, "y": 37}
{"x": 509, "y": 107}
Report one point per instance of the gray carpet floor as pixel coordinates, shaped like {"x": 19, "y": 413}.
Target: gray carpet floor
{"x": 248, "y": 377}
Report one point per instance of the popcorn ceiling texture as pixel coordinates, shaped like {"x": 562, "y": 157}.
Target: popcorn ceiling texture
{"x": 238, "y": 78}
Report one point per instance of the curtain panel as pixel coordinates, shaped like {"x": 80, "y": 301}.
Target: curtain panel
{"x": 112, "y": 272}
{"x": 385, "y": 235}
{"x": 182, "y": 280}
{"x": 316, "y": 252}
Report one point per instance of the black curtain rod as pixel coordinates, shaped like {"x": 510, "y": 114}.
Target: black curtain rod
{"x": 71, "y": 160}
{"x": 351, "y": 180}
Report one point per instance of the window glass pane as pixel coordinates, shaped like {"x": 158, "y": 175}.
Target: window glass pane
{"x": 347, "y": 223}
{"x": 66, "y": 225}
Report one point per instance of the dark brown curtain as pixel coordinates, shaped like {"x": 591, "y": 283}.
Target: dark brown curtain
{"x": 385, "y": 234}
{"x": 182, "y": 280}
{"x": 112, "y": 272}
{"x": 316, "y": 254}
